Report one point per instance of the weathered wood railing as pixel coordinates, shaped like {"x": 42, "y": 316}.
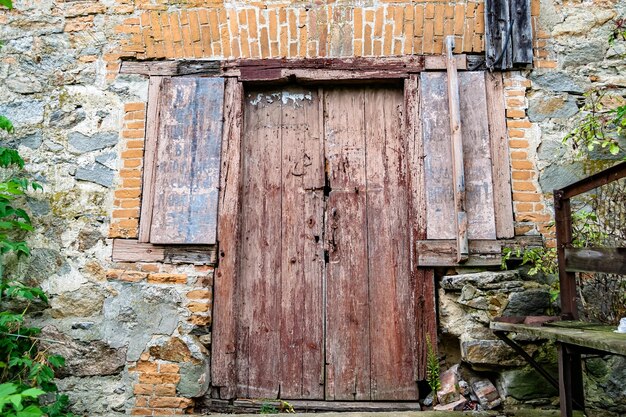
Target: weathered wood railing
{"x": 572, "y": 260}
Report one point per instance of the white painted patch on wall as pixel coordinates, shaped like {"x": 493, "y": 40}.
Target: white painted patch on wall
{"x": 286, "y": 97}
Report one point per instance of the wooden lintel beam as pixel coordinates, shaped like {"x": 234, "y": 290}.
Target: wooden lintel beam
{"x": 458, "y": 172}
{"x": 131, "y": 250}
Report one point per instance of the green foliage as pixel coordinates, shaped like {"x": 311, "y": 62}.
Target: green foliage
{"x": 619, "y": 31}
{"x": 599, "y": 128}
{"x": 7, "y": 3}
{"x": 18, "y": 401}
{"x": 268, "y": 408}
{"x": 432, "y": 369}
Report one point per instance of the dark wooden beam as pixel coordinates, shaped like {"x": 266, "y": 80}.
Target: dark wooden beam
{"x": 607, "y": 260}
{"x": 614, "y": 173}
{"x": 522, "y": 35}
{"x": 170, "y": 68}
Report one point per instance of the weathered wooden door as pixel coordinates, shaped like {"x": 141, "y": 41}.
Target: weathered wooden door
{"x": 326, "y": 302}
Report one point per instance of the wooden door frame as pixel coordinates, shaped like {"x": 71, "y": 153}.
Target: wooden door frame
{"x": 406, "y": 70}
{"x": 237, "y": 73}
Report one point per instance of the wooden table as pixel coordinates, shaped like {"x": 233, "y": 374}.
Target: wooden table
{"x": 572, "y": 339}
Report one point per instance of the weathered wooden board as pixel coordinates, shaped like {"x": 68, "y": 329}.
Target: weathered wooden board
{"x": 424, "y": 315}
{"x": 225, "y": 304}
{"x": 171, "y": 68}
{"x": 522, "y": 33}
{"x": 497, "y": 43}
{"x": 347, "y": 312}
{"x": 440, "y": 222}
{"x": 434, "y": 253}
{"x": 440, "y": 209}
{"x": 391, "y": 287}
{"x": 188, "y": 161}
{"x": 500, "y": 164}
{"x": 149, "y": 160}
{"x": 477, "y": 156}
{"x": 130, "y": 250}
{"x": 606, "y": 260}
{"x": 457, "y": 156}
{"x": 259, "y": 285}
{"x": 301, "y": 316}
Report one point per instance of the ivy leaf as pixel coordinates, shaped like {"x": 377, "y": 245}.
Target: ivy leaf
{"x": 7, "y": 3}
{"x": 6, "y": 124}
{"x": 614, "y": 148}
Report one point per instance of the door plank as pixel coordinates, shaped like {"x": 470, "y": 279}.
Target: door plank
{"x": 501, "y": 170}
{"x": 188, "y": 161}
{"x": 392, "y": 325}
{"x": 223, "y": 370}
{"x": 300, "y": 136}
{"x": 437, "y": 156}
{"x": 347, "y": 315}
{"x": 477, "y": 156}
{"x": 258, "y": 363}
{"x": 314, "y": 208}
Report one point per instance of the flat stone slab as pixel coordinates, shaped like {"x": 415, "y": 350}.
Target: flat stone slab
{"x": 516, "y": 413}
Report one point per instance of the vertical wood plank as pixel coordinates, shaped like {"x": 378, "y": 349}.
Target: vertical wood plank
{"x": 347, "y": 318}
{"x": 258, "y": 364}
{"x": 437, "y": 156}
{"x": 458, "y": 171}
{"x": 223, "y": 373}
{"x": 149, "y": 160}
{"x": 188, "y": 159}
{"x": 301, "y": 314}
{"x": 391, "y": 287}
{"x": 497, "y": 24}
{"x": 501, "y": 171}
{"x": 521, "y": 36}
{"x": 314, "y": 265}
{"x": 477, "y": 156}
{"x": 424, "y": 311}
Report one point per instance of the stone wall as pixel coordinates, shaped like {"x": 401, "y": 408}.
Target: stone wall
{"x": 138, "y": 335}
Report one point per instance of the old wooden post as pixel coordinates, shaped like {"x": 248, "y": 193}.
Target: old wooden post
{"x": 457, "y": 154}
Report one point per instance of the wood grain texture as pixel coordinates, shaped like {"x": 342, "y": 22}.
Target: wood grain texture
{"x": 437, "y": 253}
{"x": 224, "y": 337}
{"x": 497, "y": 43}
{"x": 606, "y": 260}
{"x": 149, "y": 162}
{"x": 522, "y": 33}
{"x": 347, "y": 312}
{"x": 188, "y": 161}
{"x": 457, "y": 142}
{"x": 130, "y": 250}
{"x": 500, "y": 164}
{"x": 424, "y": 305}
{"x": 391, "y": 286}
{"x": 479, "y": 203}
{"x": 438, "y": 184}
{"x": 260, "y": 295}
{"x": 301, "y": 316}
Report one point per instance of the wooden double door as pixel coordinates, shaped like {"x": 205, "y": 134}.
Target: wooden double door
{"x": 327, "y": 305}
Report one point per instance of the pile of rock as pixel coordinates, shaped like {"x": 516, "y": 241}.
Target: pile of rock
{"x": 464, "y": 392}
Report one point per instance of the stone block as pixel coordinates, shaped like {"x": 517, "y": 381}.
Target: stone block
{"x": 487, "y": 394}
{"x": 551, "y": 107}
{"x": 96, "y": 173}
{"x": 457, "y": 405}
{"x": 449, "y": 391}
{"x": 532, "y": 302}
{"x": 483, "y": 354}
{"x": 82, "y": 143}
{"x": 480, "y": 280}
{"x": 526, "y": 384}
{"x": 24, "y": 113}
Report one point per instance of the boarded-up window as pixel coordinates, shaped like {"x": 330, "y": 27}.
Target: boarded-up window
{"x": 182, "y": 159}
{"x": 485, "y": 158}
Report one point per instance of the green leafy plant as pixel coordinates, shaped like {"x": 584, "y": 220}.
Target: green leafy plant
{"x": 619, "y": 31}
{"x": 268, "y": 408}
{"x": 600, "y": 126}
{"x": 432, "y": 369}
{"x": 17, "y": 402}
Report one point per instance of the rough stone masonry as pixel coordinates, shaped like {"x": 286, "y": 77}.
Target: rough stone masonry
{"x": 137, "y": 335}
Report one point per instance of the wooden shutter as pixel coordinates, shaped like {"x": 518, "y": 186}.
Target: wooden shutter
{"x": 486, "y": 163}
{"x": 182, "y": 160}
